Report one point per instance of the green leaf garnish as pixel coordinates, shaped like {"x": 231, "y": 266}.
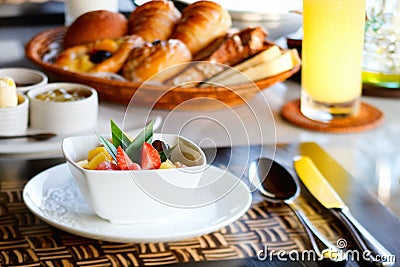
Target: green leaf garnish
{"x": 168, "y": 152}
{"x": 119, "y": 138}
{"x": 160, "y": 146}
{"x": 111, "y": 149}
{"x": 146, "y": 135}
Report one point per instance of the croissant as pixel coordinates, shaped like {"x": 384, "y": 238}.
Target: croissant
{"x": 153, "y": 20}
{"x": 200, "y": 24}
{"x": 155, "y": 58}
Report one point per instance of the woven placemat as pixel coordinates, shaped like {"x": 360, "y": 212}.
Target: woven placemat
{"x": 368, "y": 118}
{"x": 25, "y": 240}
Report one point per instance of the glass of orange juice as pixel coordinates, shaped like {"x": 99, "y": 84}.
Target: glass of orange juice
{"x": 332, "y": 58}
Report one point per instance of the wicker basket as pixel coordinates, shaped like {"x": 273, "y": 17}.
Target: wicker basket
{"x": 121, "y": 91}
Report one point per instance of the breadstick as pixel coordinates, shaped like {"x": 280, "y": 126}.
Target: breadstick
{"x": 260, "y": 58}
{"x": 279, "y": 64}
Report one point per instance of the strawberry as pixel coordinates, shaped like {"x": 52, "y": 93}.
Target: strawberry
{"x": 106, "y": 165}
{"x": 124, "y": 162}
{"x": 150, "y": 157}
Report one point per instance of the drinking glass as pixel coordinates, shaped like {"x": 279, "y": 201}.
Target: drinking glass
{"x": 381, "y": 59}
{"x": 75, "y": 8}
{"x": 332, "y": 58}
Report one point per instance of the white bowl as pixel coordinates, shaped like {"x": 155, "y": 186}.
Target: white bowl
{"x": 14, "y": 121}
{"x": 63, "y": 117}
{"x": 26, "y": 79}
{"x": 137, "y": 196}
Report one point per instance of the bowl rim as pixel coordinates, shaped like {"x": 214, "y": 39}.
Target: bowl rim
{"x": 44, "y": 78}
{"x": 46, "y": 87}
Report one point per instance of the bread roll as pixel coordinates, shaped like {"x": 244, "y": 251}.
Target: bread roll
{"x": 200, "y": 24}
{"x": 95, "y": 25}
{"x": 152, "y": 58}
{"x": 154, "y": 20}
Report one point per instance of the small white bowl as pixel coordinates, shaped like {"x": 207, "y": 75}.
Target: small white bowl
{"x": 26, "y": 79}
{"x": 14, "y": 121}
{"x": 137, "y": 196}
{"x": 63, "y": 118}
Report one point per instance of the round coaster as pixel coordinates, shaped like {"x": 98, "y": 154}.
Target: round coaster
{"x": 368, "y": 118}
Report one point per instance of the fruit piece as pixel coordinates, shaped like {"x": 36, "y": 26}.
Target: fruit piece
{"x": 124, "y": 162}
{"x": 167, "y": 165}
{"x": 92, "y": 164}
{"x": 158, "y": 145}
{"x": 83, "y": 164}
{"x": 161, "y": 147}
{"x": 99, "y": 56}
{"x": 106, "y": 165}
{"x": 92, "y": 153}
{"x": 150, "y": 157}
{"x": 111, "y": 149}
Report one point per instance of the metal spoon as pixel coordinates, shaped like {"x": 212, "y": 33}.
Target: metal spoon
{"x": 278, "y": 185}
{"x": 37, "y": 137}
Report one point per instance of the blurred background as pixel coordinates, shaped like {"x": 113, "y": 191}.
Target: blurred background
{"x": 276, "y": 18}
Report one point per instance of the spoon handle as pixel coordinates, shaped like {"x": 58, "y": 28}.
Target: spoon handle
{"x": 38, "y": 136}
{"x": 11, "y": 136}
{"x": 331, "y": 252}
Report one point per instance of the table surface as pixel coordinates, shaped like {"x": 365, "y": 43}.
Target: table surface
{"x": 371, "y": 157}
{"x": 26, "y": 240}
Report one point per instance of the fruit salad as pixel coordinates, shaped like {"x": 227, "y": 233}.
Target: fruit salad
{"x": 122, "y": 152}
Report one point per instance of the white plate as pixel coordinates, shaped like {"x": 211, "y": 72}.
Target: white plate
{"x": 53, "y": 196}
{"x": 52, "y": 146}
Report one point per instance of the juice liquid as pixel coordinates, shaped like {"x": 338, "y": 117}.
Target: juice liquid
{"x": 332, "y": 49}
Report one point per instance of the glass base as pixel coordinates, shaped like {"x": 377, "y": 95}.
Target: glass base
{"x": 326, "y": 112}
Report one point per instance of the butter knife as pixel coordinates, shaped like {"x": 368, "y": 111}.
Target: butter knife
{"x": 319, "y": 187}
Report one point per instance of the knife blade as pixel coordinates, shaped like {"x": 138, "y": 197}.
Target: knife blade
{"x": 321, "y": 189}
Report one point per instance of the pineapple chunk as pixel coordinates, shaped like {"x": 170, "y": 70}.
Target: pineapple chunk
{"x": 94, "y": 152}
{"x": 167, "y": 165}
{"x": 83, "y": 164}
{"x": 99, "y": 158}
